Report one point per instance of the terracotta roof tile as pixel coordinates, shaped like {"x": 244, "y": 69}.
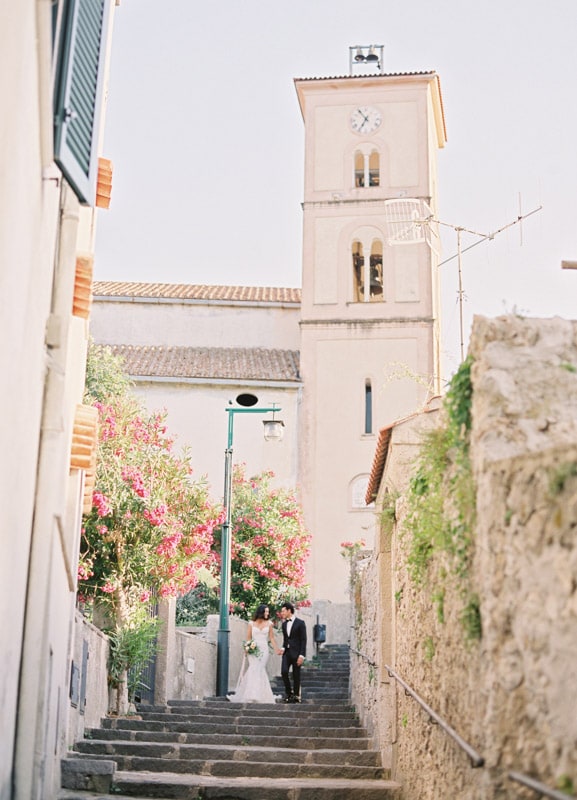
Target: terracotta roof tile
{"x": 235, "y": 363}
{"x": 191, "y": 291}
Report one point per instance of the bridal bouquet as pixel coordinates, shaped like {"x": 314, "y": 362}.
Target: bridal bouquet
{"x": 251, "y": 648}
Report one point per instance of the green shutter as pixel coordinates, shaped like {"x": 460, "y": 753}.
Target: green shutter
{"x": 78, "y": 94}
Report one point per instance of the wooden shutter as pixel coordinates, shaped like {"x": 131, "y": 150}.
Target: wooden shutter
{"x": 78, "y": 94}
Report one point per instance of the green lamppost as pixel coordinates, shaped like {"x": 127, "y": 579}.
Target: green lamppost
{"x": 273, "y": 431}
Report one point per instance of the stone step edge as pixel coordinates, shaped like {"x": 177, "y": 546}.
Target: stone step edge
{"x": 218, "y": 748}
{"x": 344, "y": 744}
{"x": 176, "y": 778}
{"x": 263, "y": 766}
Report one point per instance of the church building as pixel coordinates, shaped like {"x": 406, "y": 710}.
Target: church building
{"x": 348, "y": 353}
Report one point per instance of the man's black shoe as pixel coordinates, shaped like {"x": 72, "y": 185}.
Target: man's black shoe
{"x": 289, "y": 699}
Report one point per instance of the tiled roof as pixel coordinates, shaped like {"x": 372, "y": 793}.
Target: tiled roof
{"x": 236, "y": 363}
{"x": 191, "y": 291}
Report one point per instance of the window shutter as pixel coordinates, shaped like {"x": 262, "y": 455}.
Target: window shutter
{"x": 78, "y": 94}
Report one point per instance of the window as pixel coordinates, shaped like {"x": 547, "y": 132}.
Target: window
{"x": 358, "y": 272}
{"x": 78, "y": 94}
{"x": 359, "y": 169}
{"x": 374, "y": 171}
{"x": 376, "y": 276}
{"x": 368, "y": 273}
{"x": 368, "y": 407}
{"x": 366, "y": 169}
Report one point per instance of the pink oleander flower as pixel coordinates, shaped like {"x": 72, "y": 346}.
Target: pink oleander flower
{"x": 101, "y": 503}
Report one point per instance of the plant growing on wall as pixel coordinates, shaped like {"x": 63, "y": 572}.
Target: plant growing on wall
{"x": 441, "y": 501}
{"x": 270, "y": 545}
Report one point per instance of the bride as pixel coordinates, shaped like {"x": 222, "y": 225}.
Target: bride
{"x": 253, "y": 685}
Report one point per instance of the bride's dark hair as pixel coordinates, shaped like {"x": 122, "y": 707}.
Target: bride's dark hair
{"x": 259, "y": 613}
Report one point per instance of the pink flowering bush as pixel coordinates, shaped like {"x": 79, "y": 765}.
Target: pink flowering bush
{"x": 270, "y": 545}
{"x": 151, "y": 526}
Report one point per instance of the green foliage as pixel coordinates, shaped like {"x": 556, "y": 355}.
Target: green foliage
{"x": 439, "y": 601}
{"x": 568, "y": 367}
{"x": 429, "y": 648}
{"x": 441, "y": 501}
{"x": 194, "y": 607}
{"x": 151, "y": 526}
{"x": 560, "y": 476}
{"x": 269, "y": 547}
{"x": 459, "y": 399}
{"x": 388, "y": 516}
{"x": 471, "y": 618}
{"x": 105, "y": 376}
{"x": 132, "y": 645}
{"x": 565, "y": 784}
{"x": 404, "y": 721}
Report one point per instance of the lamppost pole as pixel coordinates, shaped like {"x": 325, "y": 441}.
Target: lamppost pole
{"x": 223, "y": 637}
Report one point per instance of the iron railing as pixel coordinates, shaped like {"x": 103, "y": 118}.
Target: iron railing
{"x": 477, "y": 759}
{"x": 538, "y": 787}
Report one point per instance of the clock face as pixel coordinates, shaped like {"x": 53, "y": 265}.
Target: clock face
{"x": 365, "y": 119}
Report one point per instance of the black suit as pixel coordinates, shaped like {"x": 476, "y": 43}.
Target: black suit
{"x": 295, "y": 645}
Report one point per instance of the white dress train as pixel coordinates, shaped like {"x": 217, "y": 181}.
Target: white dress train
{"x": 254, "y": 685}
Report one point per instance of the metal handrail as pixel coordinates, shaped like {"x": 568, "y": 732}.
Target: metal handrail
{"x": 477, "y": 759}
{"x": 537, "y": 787}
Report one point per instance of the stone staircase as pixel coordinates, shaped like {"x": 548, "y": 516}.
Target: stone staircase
{"x": 216, "y": 749}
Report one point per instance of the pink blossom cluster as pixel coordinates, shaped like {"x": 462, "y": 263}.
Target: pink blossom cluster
{"x": 134, "y": 477}
{"x": 156, "y": 516}
{"x": 101, "y": 503}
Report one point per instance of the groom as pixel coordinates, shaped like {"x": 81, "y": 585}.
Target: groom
{"x": 294, "y": 650}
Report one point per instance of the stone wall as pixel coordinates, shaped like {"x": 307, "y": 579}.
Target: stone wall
{"x": 88, "y": 715}
{"x": 511, "y": 694}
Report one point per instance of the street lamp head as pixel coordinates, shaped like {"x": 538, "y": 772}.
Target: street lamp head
{"x": 273, "y": 430}
{"x": 247, "y": 400}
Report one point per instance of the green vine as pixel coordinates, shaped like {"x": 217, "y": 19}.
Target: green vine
{"x": 441, "y": 503}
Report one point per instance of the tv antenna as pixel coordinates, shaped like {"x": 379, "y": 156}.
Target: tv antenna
{"x": 411, "y": 221}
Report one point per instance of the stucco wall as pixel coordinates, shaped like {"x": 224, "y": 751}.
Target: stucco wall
{"x": 195, "y": 324}
{"x": 96, "y": 706}
{"x": 511, "y": 695}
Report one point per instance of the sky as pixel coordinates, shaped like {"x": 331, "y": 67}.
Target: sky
{"x": 206, "y": 138}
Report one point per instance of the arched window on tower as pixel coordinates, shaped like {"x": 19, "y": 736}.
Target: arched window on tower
{"x": 376, "y": 283}
{"x": 374, "y": 169}
{"x": 358, "y": 272}
{"x": 359, "y": 169}
{"x": 368, "y": 272}
{"x": 368, "y": 407}
{"x": 367, "y": 169}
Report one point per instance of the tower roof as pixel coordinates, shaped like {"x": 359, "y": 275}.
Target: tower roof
{"x": 301, "y": 84}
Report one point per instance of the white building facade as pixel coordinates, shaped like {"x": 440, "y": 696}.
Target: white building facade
{"x": 352, "y": 351}
{"x": 50, "y": 182}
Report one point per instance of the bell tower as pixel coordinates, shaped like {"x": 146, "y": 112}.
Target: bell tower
{"x": 370, "y": 294}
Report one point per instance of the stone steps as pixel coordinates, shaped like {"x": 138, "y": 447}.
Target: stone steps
{"x": 316, "y": 750}
{"x": 185, "y": 787}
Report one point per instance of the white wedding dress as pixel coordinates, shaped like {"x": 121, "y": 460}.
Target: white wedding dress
{"x": 253, "y": 685}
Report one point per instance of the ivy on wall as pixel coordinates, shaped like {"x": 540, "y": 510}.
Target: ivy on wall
{"x": 440, "y": 516}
